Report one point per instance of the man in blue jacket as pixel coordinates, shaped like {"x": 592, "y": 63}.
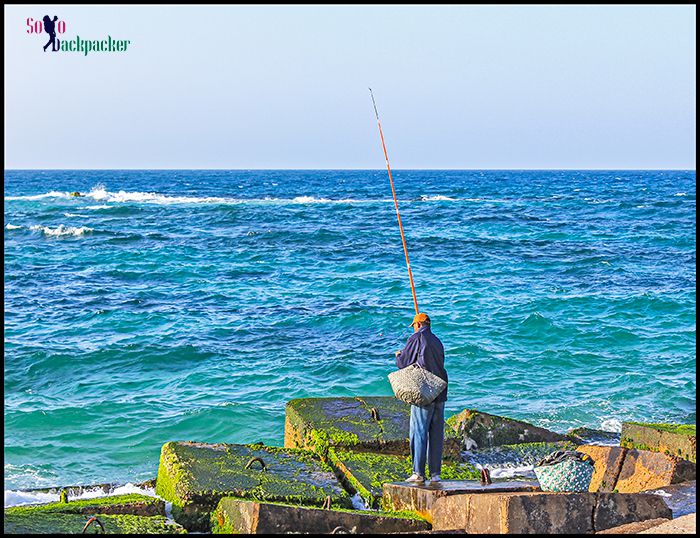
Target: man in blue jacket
{"x": 427, "y": 428}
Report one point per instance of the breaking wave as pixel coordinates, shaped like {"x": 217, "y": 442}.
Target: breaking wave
{"x": 19, "y": 497}
{"x": 61, "y": 230}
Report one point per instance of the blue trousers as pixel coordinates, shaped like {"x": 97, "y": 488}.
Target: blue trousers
{"x": 427, "y": 435}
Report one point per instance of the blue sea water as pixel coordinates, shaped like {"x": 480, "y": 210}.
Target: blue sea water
{"x": 191, "y": 305}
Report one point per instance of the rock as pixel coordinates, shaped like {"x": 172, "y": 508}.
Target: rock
{"x": 645, "y": 470}
{"x": 543, "y": 513}
{"x": 119, "y": 514}
{"x": 481, "y": 430}
{"x": 681, "y": 498}
{"x": 671, "y": 439}
{"x": 608, "y": 464}
{"x": 682, "y": 525}
{"x": 235, "y": 516}
{"x": 402, "y": 496}
{"x": 367, "y": 472}
{"x": 368, "y": 423}
{"x": 615, "y": 509}
{"x": 195, "y": 476}
{"x": 634, "y": 528}
{"x": 590, "y": 436}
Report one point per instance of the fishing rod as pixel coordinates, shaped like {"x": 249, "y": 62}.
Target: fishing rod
{"x": 396, "y": 203}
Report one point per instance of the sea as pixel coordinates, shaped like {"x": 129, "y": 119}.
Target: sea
{"x": 164, "y": 305}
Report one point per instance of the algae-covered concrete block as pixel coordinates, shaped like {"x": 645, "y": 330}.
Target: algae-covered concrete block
{"x": 543, "y": 513}
{"x": 120, "y": 514}
{"x": 237, "y": 516}
{"x": 644, "y": 470}
{"x": 367, "y": 472}
{"x": 671, "y": 439}
{"x": 195, "y": 476}
{"x": 367, "y": 423}
{"x": 481, "y": 430}
{"x": 607, "y": 463}
{"x": 420, "y": 499}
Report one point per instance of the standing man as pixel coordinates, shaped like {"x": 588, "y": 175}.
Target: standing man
{"x": 427, "y": 428}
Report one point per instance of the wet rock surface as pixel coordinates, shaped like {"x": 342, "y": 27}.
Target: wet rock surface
{"x": 482, "y": 430}
{"x": 250, "y": 517}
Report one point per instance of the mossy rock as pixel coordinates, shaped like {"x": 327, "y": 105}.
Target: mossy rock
{"x": 240, "y": 516}
{"x": 366, "y": 472}
{"x": 363, "y": 423}
{"x": 671, "y": 439}
{"x": 482, "y": 430}
{"x": 195, "y": 476}
{"x": 120, "y": 514}
{"x": 591, "y": 436}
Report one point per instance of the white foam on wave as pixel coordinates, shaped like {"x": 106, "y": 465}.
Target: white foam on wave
{"x": 611, "y": 425}
{"x": 512, "y": 472}
{"x": 51, "y": 194}
{"x": 61, "y": 230}
{"x": 436, "y": 198}
{"x": 680, "y": 194}
{"x": 12, "y": 226}
{"x": 19, "y": 497}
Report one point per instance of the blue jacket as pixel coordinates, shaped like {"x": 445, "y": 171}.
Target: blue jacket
{"x": 426, "y": 349}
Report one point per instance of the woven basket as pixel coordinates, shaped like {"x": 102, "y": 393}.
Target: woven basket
{"x": 569, "y": 475}
{"x": 416, "y": 386}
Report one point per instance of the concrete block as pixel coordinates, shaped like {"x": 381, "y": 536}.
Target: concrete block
{"x": 543, "y": 513}
{"x": 420, "y": 499}
{"x": 481, "y": 430}
{"x": 608, "y": 464}
{"x": 195, "y": 476}
{"x": 367, "y": 423}
{"x": 644, "y": 470}
{"x": 237, "y": 516}
{"x": 671, "y": 439}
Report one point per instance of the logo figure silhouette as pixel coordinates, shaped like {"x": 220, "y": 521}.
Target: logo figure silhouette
{"x": 50, "y": 27}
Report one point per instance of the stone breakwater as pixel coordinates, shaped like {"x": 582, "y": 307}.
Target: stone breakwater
{"x": 342, "y": 467}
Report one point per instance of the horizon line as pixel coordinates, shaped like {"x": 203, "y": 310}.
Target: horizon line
{"x": 372, "y": 169}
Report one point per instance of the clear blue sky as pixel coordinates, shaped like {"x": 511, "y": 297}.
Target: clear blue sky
{"x": 286, "y": 87}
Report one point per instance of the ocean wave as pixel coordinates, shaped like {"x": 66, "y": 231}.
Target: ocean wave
{"x": 19, "y": 497}
{"x": 680, "y": 194}
{"x": 12, "y": 226}
{"x": 101, "y": 194}
{"x": 611, "y": 425}
{"x": 61, "y": 230}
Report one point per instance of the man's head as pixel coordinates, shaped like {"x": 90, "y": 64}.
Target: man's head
{"x": 420, "y": 320}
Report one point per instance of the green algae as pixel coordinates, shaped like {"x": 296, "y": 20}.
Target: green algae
{"x": 366, "y": 472}
{"x": 120, "y": 514}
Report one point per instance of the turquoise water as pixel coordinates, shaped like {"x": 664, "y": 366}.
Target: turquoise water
{"x": 191, "y": 305}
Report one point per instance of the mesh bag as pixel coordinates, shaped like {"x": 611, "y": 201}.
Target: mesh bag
{"x": 569, "y": 475}
{"x": 416, "y": 386}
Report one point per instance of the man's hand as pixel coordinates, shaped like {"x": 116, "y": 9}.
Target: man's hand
{"x": 397, "y": 353}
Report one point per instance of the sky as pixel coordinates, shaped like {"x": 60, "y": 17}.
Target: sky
{"x": 465, "y": 87}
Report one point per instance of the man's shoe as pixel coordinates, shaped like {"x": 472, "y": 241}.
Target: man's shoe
{"x": 435, "y": 479}
{"x": 415, "y": 479}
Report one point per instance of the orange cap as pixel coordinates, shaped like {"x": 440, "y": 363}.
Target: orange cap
{"x": 421, "y": 317}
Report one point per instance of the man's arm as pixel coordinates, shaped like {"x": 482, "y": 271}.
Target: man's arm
{"x": 409, "y": 354}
